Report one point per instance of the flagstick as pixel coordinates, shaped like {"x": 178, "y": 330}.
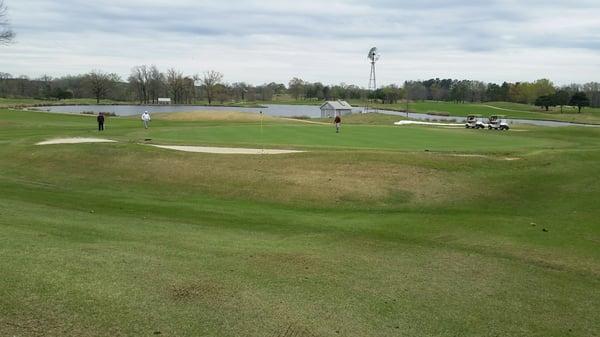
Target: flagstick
{"x": 261, "y": 133}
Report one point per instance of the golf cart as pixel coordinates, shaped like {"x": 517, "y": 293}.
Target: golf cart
{"x": 474, "y": 122}
{"x": 498, "y": 122}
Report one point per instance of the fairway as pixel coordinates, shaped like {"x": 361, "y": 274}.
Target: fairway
{"x": 377, "y": 231}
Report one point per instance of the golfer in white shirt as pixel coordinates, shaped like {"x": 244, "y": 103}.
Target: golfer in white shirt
{"x": 146, "y": 119}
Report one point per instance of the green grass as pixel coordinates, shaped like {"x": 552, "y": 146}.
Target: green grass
{"x": 366, "y": 234}
{"x": 513, "y": 110}
{"x": 553, "y": 110}
{"x": 366, "y": 119}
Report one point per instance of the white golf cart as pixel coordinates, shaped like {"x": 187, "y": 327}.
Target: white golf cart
{"x": 474, "y": 122}
{"x": 498, "y": 122}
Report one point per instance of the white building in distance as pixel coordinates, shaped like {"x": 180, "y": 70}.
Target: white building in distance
{"x": 164, "y": 101}
{"x": 335, "y": 108}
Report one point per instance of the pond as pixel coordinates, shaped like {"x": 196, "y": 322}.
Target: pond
{"x": 312, "y": 111}
{"x": 280, "y": 110}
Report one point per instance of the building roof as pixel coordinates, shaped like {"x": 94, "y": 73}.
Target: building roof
{"x": 338, "y": 105}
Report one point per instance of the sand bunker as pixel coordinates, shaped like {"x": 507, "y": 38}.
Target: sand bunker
{"x": 76, "y": 140}
{"x": 223, "y": 150}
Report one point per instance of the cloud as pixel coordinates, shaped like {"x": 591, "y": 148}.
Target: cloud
{"x": 269, "y": 40}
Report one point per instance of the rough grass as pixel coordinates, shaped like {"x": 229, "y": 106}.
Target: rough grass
{"x": 325, "y": 181}
{"x": 214, "y": 116}
{"x": 126, "y": 240}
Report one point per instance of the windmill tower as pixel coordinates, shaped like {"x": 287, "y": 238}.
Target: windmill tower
{"x": 373, "y": 57}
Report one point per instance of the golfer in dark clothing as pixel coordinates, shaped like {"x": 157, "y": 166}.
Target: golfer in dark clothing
{"x": 338, "y": 123}
{"x": 100, "y": 120}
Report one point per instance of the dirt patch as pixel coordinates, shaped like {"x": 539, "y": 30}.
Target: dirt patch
{"x": 196, "y": 291}
{"x": 294, "y": 330}
{"x": 75, "y": 140}
{"x": 224, "y": 150}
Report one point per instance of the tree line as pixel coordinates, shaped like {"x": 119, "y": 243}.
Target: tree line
{"x": 461, "y": 91}
{"x": 146, "y": 83}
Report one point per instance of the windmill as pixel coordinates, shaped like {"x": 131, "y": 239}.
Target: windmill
{"x": 373, "y": 57}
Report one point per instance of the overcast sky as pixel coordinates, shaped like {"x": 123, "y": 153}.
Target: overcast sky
{"x": 317, "y": 40}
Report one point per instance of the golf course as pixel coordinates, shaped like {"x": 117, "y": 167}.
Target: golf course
{"x": 379, "y": 230}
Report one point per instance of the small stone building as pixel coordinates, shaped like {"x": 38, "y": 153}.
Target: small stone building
{"x": 335, "y": 108}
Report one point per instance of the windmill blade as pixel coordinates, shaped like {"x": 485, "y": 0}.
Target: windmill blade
{"x": 372, "y": 53}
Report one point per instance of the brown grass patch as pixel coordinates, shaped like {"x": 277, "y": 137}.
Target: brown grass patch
{"x": 46, "y": 323}
{"x": 312, "y": 181}
{"x": 26, "y": 327}
{"x": 214, "y": 116}
{"x": 199, "y": 290}
{"x": 295, "y": 263}
{"x": 369, "y": 182}
{"x": 309, "y": 179}
{"x": 294, "y": 330}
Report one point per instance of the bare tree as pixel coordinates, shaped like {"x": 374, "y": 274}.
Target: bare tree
{"x": 100, "y": 83}
{"x": 138, "y": 80}
{"x": 174, "y": 81}
{"x": 239, "y": 90}
{"x": 189, "y": 90}
{"x": 181, "y": 88}
{"x": 592, "y": 90}
{"x": 210, "y": 80}
{"x": 6, "y": 33}
{"x": 156, "y": 83}
{"x": 22, "y": 85}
